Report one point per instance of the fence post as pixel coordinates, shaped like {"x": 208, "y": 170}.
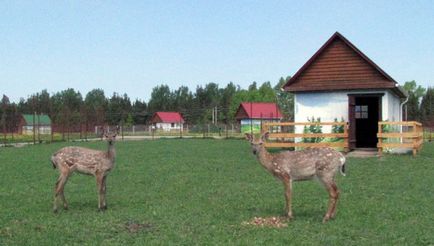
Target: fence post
{"x": 346, "y": 142}
{"x": 226, "y": 130}
{"x": 52, "y": 131}
{"x": 415, "y": 138}
{"x": 85, "y": 130}
{"x": 34, "y": 128}
{"x": 122, "y": 130}
{"x": 430, "y": 134}
{"x": 380, "y": 140}
{"x": 39, "y": 134}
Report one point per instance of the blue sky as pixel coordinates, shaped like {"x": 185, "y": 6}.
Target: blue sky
{"x": 132, "y": 46}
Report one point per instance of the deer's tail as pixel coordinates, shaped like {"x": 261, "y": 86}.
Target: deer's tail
{"x": 342, "y": 166}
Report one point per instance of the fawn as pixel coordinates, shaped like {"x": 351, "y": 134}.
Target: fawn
{"x": 86, "y": 161}
{"x": 289, "y": 166}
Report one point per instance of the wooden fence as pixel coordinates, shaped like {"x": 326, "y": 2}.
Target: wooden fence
{"x": 285, "y": 139}
{"x": 409, "y": 135}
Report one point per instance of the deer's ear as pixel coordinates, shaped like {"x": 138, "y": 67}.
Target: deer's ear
{"x": 265, "y": 136}
{"x": 249, "y": 136}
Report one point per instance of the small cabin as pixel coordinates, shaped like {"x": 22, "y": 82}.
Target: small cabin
{"x": 341, "y": 82}
{"x": 30, "y": 123}
{"x": 251, "y": 115}
{"x": 167, "y": 121}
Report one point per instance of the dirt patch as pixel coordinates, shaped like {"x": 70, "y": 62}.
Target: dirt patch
{"x": 134, "y": 227}
{"x": 277, "y": 222}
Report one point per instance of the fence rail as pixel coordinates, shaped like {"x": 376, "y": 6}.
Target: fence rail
{"x": 410, "y": 135}
{"x": 285, "y": 140}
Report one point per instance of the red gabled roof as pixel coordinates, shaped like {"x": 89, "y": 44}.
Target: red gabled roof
{"x": 339, "y": 65}
{"x": 167, "y": 117}
{"x": 258, "y": 110}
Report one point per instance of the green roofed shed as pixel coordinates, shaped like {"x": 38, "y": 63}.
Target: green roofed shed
{"x": 41, "y": 122}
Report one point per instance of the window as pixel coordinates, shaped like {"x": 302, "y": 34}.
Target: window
{"x": 361, "y": 111}
{"x": 172, "y": 125}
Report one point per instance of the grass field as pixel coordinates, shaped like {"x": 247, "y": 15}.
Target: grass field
{"x": 196, "y": 191}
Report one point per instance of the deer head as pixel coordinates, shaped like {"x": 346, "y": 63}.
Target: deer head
{"x": 257, "y": 143}
{"x": 111, "y": 136}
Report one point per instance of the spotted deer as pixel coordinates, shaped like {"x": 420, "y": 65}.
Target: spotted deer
{"x": 86, "y": 161}
{"x": 289, "y": 166}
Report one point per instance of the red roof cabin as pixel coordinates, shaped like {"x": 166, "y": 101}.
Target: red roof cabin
{"x": 251, "y": 115}
{"x": 167, "y": 121}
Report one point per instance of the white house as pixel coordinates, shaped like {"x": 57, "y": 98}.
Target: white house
{"x": 340, "y": 82}
{"x": 167, "y": 121}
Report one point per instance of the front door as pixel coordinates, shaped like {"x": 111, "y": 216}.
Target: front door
{"x": 364, "y": 114}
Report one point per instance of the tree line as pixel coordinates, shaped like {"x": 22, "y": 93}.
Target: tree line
{"x": 70, "y": 108}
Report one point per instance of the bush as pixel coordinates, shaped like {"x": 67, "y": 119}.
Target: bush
{"x": 313, "y": 129}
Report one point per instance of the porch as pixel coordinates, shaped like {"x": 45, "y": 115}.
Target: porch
{"x": 392, "y": 137}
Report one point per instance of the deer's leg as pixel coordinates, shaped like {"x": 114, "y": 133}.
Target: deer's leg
{"x": 287, "y": 183}
{"x": 59, "y": 191}
{"x": 336, "y": 192}
{"x": 333, "y": 191}
{"x": 62, "y": 195}
{"x": 104, "y": 190}
{"x": 99, "y": 184}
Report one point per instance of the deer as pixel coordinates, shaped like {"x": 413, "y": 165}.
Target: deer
{"x": 85, "y": 161}
{"x": 307, "y": 164}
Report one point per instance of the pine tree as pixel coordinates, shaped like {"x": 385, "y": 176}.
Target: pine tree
{"x": 427, "y": 108}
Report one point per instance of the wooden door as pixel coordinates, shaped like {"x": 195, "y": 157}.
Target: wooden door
{"x": 352, "y": 121}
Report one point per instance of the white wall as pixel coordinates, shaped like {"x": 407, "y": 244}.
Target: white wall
{"x": 331, "y": 105}
{"x": 168, "y": 126}
{"x": 393, "y": 108}
{"x": 28, "y": 130}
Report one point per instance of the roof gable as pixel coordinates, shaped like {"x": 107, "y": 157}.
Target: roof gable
{"x": 167, "y": 117}
{"x": 255, "y": 110}
{"x": 338, "y": 65}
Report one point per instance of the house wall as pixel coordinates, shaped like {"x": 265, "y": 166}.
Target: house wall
{"x": 393, "y": 108}
{"x": 168, "y": 126}
{"x": 331, "y": 105}
{"x": 28, "y": 130}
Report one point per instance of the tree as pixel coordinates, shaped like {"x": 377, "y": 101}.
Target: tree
{"x": 161, "y": 99}
{"x": 66, "y": 108}
{"x": 3, "y": 120}
{"x": 140, "y": 114}
{"x": 182, "y": 98}
{"x": 118, "y": 109}
{"x": 205, "y": 100}
{"x": 227, "y": 96}
{"x": 285, "y": 100}
{"x": 96, "y": 106}
{"x": 427, "y": 107}
{"x": 267, "y": 93}
{"x": 415, "y": 94}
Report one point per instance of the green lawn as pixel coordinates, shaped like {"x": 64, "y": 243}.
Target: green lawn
{"x": 201, "y": 191}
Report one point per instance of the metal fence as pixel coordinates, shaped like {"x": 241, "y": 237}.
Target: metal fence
{"x": 85, "y": 132}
